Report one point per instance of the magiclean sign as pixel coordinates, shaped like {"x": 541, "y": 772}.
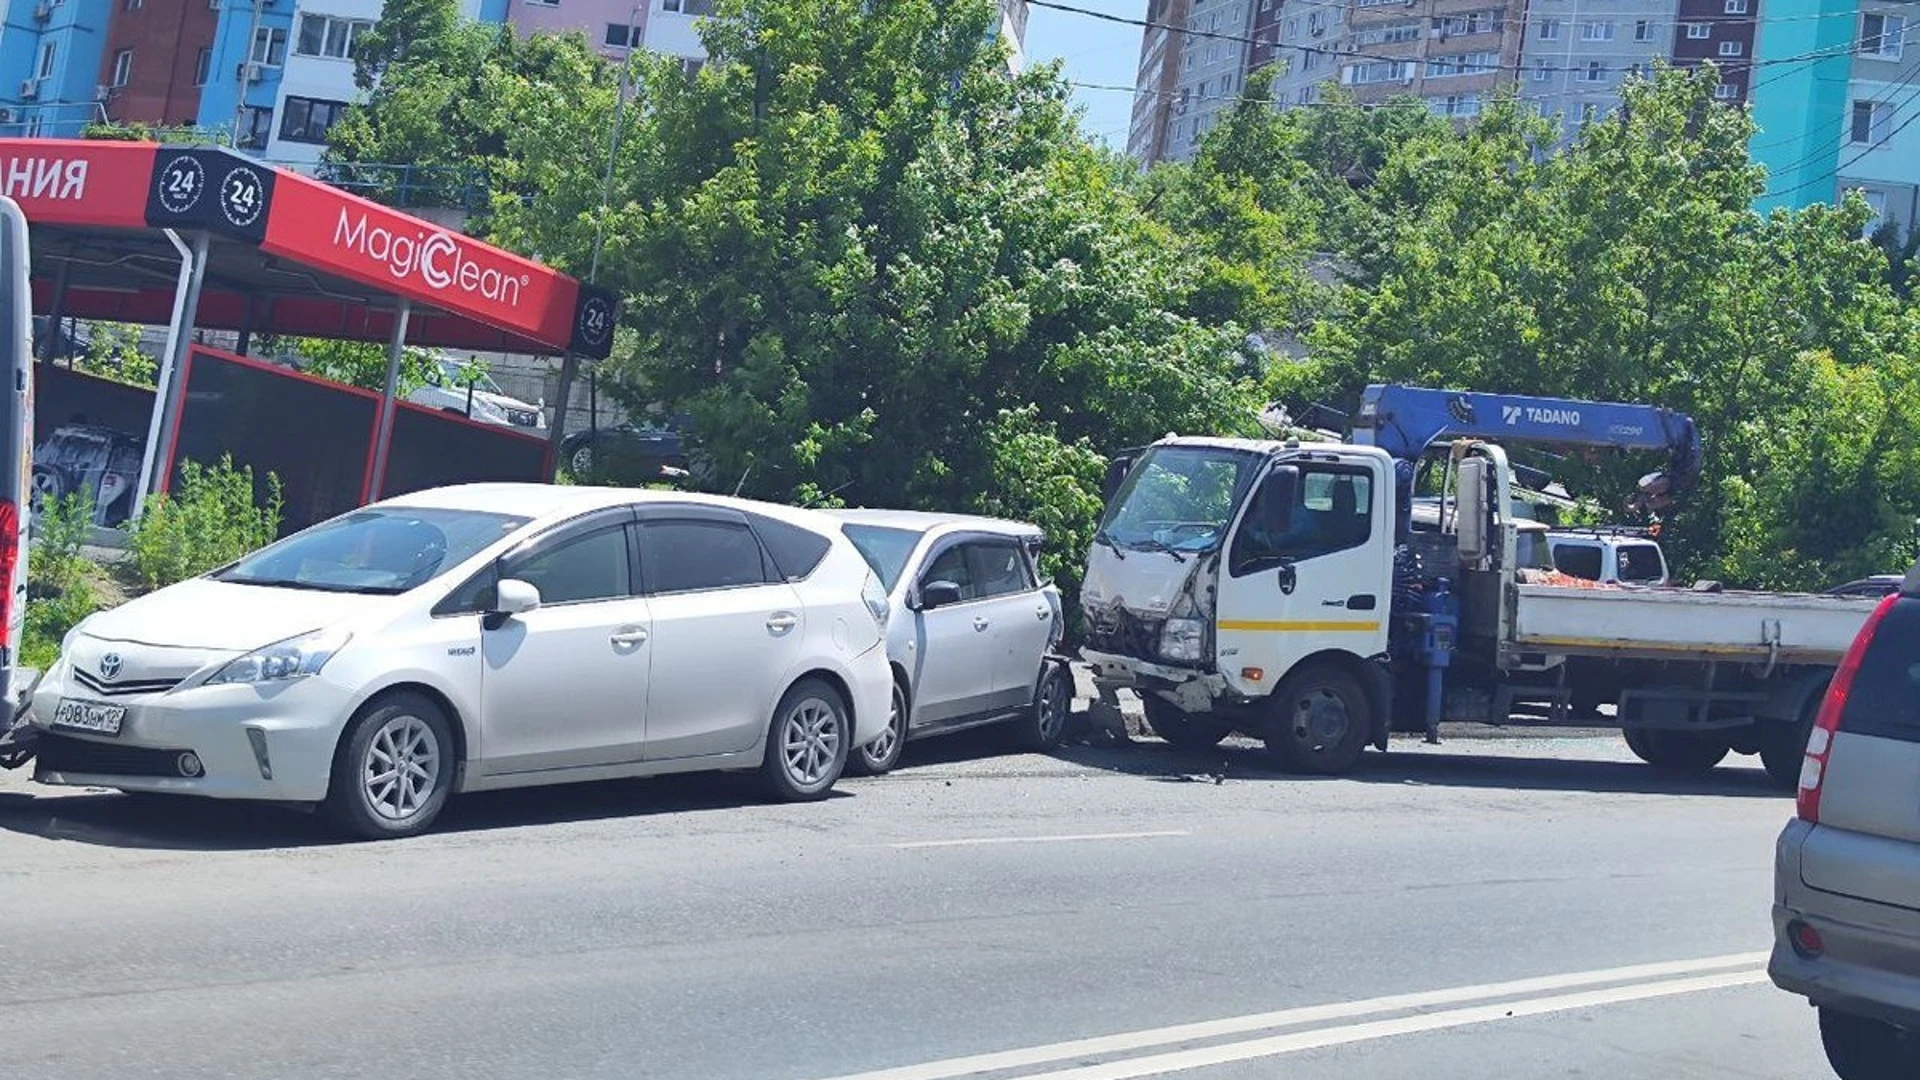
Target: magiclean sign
{"x": 435, "y": 257}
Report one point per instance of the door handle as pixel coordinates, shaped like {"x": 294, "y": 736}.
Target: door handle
{"x": 1043, "y": 613}
{"x": 1288, "y": 579}
{"x": 979, "y": 623}
{"x": 781, "y": 623}
{"x": 625, "y": 638}
{"x": 1361, "y": 602}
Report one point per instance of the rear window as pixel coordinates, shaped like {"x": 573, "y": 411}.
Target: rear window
{"x": 1640, "y": 562}
{"x": 1885, "y": 700}
{"x": 1579, "y": 560}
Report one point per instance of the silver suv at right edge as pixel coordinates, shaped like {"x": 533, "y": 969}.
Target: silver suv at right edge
{"x": 1846, "y": 910}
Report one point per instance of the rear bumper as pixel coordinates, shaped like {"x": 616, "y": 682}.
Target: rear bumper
{"x": 1869, "y": 962}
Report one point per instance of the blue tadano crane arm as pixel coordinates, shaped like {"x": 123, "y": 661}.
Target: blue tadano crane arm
{"x": 1408, "y": 421}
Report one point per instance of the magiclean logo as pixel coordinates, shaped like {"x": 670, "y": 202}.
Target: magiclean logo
{"x": 440, "y": 261}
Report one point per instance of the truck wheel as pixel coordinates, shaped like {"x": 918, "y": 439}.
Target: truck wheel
{"x": 1681, "y": 751}
{"x": 1783, "y": 747}
{"x": 1860, "y": 1048}
{"x": 1179, "y": 728}
{"x": 1322, "y": 721}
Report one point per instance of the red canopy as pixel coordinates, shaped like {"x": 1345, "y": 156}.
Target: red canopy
{"x": 287, "y": 254}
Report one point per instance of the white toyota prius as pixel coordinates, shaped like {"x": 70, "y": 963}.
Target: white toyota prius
{"x": 483, "y": 636}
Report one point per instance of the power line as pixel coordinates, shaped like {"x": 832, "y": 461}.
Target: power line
{"x": 1834, "y": 173}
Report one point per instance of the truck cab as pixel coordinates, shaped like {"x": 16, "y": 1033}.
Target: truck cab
{"x": 1227, "y": 572}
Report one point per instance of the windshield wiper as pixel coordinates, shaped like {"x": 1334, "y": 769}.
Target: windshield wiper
{"x": 1103, "y": 537}
{"x": 1152, "y": 544}
{"x": 314, "y": 586}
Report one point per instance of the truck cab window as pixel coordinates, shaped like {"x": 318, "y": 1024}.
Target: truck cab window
{"x": 1577, "y": 560}
{"x": 1333, "y": 511}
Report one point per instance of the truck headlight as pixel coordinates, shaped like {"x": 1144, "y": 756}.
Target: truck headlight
{"x": 1183, "y": 639}
{"x": 294, "y": 658}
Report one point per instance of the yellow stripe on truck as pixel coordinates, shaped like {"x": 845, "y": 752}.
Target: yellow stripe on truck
{"x": 1301, "y": 625}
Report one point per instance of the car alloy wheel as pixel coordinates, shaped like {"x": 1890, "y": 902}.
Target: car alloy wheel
{"x": 401, "y": 769}
{"x": 581, "y": 463}
{"x": 883, "y": 753}
{"x": 810, "y": 739}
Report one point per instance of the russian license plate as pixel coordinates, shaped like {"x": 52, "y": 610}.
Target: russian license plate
{"x": 89, "y": 716}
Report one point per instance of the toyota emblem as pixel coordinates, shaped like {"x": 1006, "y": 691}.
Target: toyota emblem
{"x": 110, "y": 667}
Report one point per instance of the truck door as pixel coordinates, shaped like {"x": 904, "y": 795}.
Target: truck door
{"x": 1315, "y": 576}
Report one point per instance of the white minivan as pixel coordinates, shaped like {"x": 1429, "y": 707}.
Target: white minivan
{"x": 484, "y": 636}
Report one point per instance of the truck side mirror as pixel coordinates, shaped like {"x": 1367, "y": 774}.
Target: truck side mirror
{"x": 1278, "y": 493}
{"x": 1117, "y": 470}
{"x": 1470, "y": 523}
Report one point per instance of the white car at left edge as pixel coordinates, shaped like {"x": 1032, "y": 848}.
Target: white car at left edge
{"x": 483, "y": 636}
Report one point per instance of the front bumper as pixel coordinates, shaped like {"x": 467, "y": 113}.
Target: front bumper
{"x": 267, "y": 742}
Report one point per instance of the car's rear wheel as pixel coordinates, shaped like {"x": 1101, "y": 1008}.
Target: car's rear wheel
{"x": 1181, "y": 729}
{"x": 1860, "y": 1048}
{"x": 1044, "y": 724}
{"x": 580, "y": 462}
{"x": 882, "y": 754}
{"x": 393, "y": 770}
{"x": 1321, "y": 723}
{"x": 807, "y": 744}
{"x": 1680, "y": 751}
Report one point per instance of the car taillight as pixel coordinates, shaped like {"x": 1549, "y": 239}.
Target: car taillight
{"x": 1813, "y": 769}
{"x": 9, "y": 566}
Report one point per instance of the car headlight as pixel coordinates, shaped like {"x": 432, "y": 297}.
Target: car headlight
{"x": 875, "y": 597}
{"x": 294, "y": 658}
{"x": 1182, "y": 639}
{"x": 66, "y": 643}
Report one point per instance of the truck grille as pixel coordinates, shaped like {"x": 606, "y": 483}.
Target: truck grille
{"x": 1119, "y": 631}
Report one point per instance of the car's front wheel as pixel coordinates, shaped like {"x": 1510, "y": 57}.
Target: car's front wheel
{"x": 807, "y": 744}
{"x": 1860, "y": 1048}
{"x": 882, "y": 754}
{"x": 393, "y": 770}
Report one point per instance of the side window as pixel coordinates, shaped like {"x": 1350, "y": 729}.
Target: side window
{"x": 795, "y": 551}
{"x": 688, "y": 556}
{"x": 1639, "y": 562}
{"x": 1577, "y": 560}
{"x": 594, "y": 566}
{"x": 474, "y": 595}
{"x": 1332, "y": 512}
{"x": 953, "y": 565}
{"x": 999, "y": 569}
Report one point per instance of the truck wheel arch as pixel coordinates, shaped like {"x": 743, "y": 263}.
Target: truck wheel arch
{"x": 1374, "y": 678}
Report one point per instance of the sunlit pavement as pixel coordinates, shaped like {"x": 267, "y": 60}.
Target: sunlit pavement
{"x": 1101, "y": 914}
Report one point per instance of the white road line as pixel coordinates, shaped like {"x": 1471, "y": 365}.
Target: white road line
{"x": 1183, "y": 1060}
{"x": 977, "y": 841}
{"x": 1345, "y": 1010}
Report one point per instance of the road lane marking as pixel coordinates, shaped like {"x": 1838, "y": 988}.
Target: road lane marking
{"x": 1152, "y": 1038}
{"x": 1184, "y": 1060}
{"x": 976, "y": 841}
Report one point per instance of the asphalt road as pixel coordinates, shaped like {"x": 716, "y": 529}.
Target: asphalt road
{"x": 1512, "y": 907}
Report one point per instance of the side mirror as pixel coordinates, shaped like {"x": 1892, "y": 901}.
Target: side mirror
{"x": 1470, "y": 523}
{"x": 511, "y": 597}
{"x": 1117, "y": 470}
{"x": 1278, "y": 492}
{"x": 935, "y": 594}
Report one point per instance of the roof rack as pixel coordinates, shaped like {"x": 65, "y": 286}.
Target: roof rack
{"x": 1639, "y": 532}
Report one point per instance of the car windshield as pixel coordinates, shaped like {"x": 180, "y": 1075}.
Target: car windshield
{"x": 379, "y": 550}
{"x": 1179, "y": 498}
{"x": 885, "y": 549}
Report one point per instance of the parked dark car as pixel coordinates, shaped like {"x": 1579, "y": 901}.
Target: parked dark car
{"x": 104, "y": 462}
{"x": 1877, "y": 585}
{"x": 628, "y": 453}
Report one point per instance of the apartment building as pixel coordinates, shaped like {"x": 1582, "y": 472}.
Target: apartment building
{"x": 1837, "y": 109}
{"x": 1157, "y": 79}
{"x": 50, "y": 66}
{"x": 1578, "y": 53}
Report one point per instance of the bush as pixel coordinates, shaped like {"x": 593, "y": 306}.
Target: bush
{"x": 208, "y": 520}
{"x": 60, "y": 528}
{"x": 50, "y": 617}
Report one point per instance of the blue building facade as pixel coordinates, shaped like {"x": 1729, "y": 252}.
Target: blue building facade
{"x": 250, "y": 46}
{"x": 1804, "y": 60}
{"x": 50, "y": 52}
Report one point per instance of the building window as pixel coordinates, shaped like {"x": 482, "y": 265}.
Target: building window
{"x": 122, "y": 67}
{"x": 203, "y": 67}
{"x": 1589, "y": 112}
{"x": 622, "y": 35}
{"x": 1880, "y": 36}
{"x": 1731, "y": 48}
{"x": 1310, "y": 62}
{"x": 1596, "y": 31}
{"x": 1541, "y": 71}
{"x": 690, "y": 66}
{"x": 1549, "y": 29}
{"x": 1478, "y": 22}
{"x": 134, "y": 5}
{"x": 543, "y": 3}
{"x": 1290, "y": 29}
{"x": 1736, "y": 7}
{"x": 1643, "y": 30}
{"x": 1475, "y": 63}
{"x": 306, "y": 120}
{"x": 1594, "y": 72}
{"x": 269, "y": 46}
{"x": 1698, "y": 31}
{"x": 1870, "y": 121}
{"x": 1455, "y": 105}
{"x": 324, "y": 35}
{"x": 44, "y": 69}
{"x": 255, "y": 125}
{"x": 1726, "y": 91}
{"x": 1317, "y": 24}
{"x": 1377, "y": 72}
{"x": 33, "y": 126}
